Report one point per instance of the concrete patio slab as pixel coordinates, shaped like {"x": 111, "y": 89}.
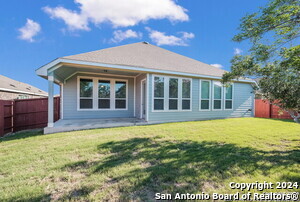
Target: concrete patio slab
{"x": 84, "y": 124}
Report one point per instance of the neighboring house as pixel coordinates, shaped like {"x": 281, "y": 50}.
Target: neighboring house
{"x": 11, "y": 89}
{"x": 144, "y": 81}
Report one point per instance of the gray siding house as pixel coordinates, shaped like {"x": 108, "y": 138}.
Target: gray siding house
{"x": 143, "y": 82}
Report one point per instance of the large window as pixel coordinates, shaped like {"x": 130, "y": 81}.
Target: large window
{"x": 186, "y": 94}
{"x": 86, "y": 93}
{"x": 109, "y": 94}
{"x": 159, "y": 93}
{"x": 171, "y": 94}
{"x": 228, "y": 97}
{"x": 120, "y": 89}
{"x": 204, "y": 95}
{"x": 104, "y": 94}
{"x": 217, "y": 93}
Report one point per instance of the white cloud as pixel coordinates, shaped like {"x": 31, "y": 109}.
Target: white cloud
{"x": 73, "y": 20}
{"x": 120, "y": 35}
{"x": 29, "y": 30}
{"x": 217, "y": 65}
{"x": 186, "y": 35}
{"x": 160, "y": 38}
{"x": 237, "y": 51}
{"x": 119, "y": 13}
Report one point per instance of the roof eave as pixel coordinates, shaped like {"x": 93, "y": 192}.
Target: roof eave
{"x": 50, "y": 67}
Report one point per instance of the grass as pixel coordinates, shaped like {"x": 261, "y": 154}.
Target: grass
{"x": 134, "y": 163}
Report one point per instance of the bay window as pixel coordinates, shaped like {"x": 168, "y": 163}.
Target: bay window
{"x": 217, "y": 95}
{"x": 228, "y": 97}
{"x": 86, "y": 94}
{"x": 204, "y": 95}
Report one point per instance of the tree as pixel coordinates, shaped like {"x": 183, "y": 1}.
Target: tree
{"x": 274, "y": 56}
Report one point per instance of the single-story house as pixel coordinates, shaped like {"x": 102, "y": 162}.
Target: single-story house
{"x": 144, "y": 82}
{"x": 11, "y": 89}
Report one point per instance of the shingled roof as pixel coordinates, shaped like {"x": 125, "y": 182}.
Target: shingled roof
{"x": 149, "y": 56}
{"x": 10, "y": 85}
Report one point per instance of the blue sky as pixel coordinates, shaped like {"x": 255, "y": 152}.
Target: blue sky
{"x": 35, "y": 32}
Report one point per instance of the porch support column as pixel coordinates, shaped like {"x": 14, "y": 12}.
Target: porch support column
{"x": 50, "y": 99}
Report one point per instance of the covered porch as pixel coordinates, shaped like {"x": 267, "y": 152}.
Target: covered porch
{"x": 76, "y": 115}
{"x": 84, "y": 124}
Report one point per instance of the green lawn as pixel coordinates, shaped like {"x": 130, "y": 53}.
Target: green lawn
{"x": 133, "y": 163}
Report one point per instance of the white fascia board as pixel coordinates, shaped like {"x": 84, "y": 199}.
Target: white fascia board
{"x": 43, "y": 71}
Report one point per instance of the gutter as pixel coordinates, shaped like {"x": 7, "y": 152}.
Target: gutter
{"x": 24, "y": 92}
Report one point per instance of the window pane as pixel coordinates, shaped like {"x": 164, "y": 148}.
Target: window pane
{"x": 229, "y": 92}
{"x": 104, "y": 89}
{"x": 86, "y": 88}
{"x": 158, "y": 104}
{"x": 205, "y": 89}
{"x": 120, "y": 88}
{"x": 173, "y": 88}
{"x": 158, "y": 86}
{"x": 186, "y": 88}
{"x": 217, "y": 90}
{"x": 86, "y": 103}
{"x": 104, "y": 103}
{"x": 186, "y": 104}
{"x": 173, "y": 104}
{"x": 217, "y": 104}
{"x": 204, "y": 104}
{"x": 120, "y": 104}
{"x": 228, "y": 104}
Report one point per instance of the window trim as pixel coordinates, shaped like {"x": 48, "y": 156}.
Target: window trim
{"x": 87, "y": 98}
{"x": 168, "y": 99}
{"x": 224, "y": 102}
{"x": 159, "y": 98}
{"x": 210, "y": 95}
{"x": 110, "y": 96}
{"x": 95, "y": 93}
{"x": 182, "y": 98}
{"x": 213, "y": 96}
{"x": 166, "y": 94}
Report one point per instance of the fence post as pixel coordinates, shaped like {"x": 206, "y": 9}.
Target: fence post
{"x": 270, "y": 113}
{"x": 14, "y": 115}
{"x": 1, "y": 118}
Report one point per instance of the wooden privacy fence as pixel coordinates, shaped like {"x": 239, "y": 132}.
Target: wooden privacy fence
{"x": 16, "y": 115}
{"x": 264, "y": 109}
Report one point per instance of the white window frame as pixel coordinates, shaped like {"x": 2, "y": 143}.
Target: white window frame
{"x": 210, "y": 95}
{"x": 177, "y": 94}
{"x": 90, "y": 98}
{"x": 180, "y": 94}
{"x": 114, "y": 94}
{"x": 110, "y": 96}
{"x": 228, "y": 99}
{"x": 159, "y": 98}
{"x": 95, "y": 93}
{"x": 166, "y": 94}
{"x": 213, "y": 96}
